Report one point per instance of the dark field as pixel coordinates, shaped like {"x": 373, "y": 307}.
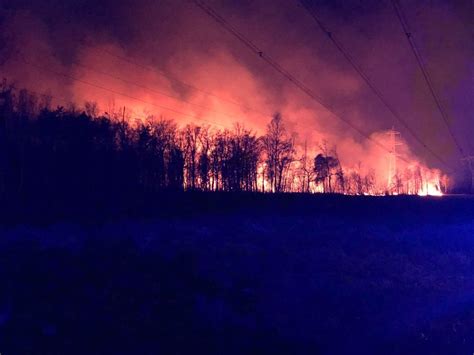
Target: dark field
{"x": 241, "y": 274}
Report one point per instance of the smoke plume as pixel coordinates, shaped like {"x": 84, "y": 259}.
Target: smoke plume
{"x": 168, "y": 58}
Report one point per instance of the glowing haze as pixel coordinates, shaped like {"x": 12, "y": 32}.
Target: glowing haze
{"x": 167, "y": 58}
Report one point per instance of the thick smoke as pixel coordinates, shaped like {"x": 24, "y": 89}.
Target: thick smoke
{"x": 151, "y": 56}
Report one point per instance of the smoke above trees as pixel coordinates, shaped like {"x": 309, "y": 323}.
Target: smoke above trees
{"x": 167, "y": 60}
{"x": 64, "y": 151}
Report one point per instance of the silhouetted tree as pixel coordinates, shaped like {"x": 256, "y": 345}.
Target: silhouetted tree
{"x": 279, "y": 149}
{"x": 327, "y": 166}
{"x": 204, "y": 166}
{"x": 190, "y": 146}
{"x": 71, "y": 154}
{"x": 306, "y": 170}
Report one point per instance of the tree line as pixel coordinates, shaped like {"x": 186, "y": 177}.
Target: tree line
{"x": 75, "y": 152}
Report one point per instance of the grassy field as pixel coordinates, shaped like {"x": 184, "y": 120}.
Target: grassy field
{"x": 251, "y": 274}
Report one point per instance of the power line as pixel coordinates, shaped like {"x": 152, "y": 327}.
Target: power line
{"x": 57, "y": 98}
{"x": 41, "y": 94}
{"x": 172, "y": 78}
{"x": 221, "y": 21}
{"x": 159, "y": 92}
{"x": 367, "y": 80}
{"x": 118, "y": 93}
{"x": 152, "y": 90}
{"x": 424, "y": 70}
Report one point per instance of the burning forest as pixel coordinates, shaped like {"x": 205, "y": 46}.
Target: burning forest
{"x": 208, "y": 79}
{"x": 236, "y": 177}
{"x": 166, "y": 156}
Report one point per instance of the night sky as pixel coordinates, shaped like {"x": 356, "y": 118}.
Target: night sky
{"x": 75, "y": 40}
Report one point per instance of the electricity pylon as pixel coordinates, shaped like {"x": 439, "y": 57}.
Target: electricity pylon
{"x": 392, "y": 156}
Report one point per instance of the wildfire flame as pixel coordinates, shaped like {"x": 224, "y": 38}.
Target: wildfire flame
{"x": 430, "y": 189}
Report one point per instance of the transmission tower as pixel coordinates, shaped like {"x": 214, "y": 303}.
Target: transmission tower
{"x": 394, "y": 142}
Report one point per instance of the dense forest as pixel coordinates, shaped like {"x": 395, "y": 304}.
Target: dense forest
{"x": 70, "y": 153}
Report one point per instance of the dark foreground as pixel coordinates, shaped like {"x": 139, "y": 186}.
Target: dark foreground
{"x": 247, "y": 274}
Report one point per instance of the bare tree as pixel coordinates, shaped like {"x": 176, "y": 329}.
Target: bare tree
{"x": 306, "y": 170}
{"x": 190, "y": 137}
{"x": 369, "y": 182}
{"x": 204, "y": 164}
{"x": 279, "y": 149}
{"x": 326, "y": 166}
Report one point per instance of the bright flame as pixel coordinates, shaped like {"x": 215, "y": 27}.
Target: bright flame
{"x": 430, "y": 189}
